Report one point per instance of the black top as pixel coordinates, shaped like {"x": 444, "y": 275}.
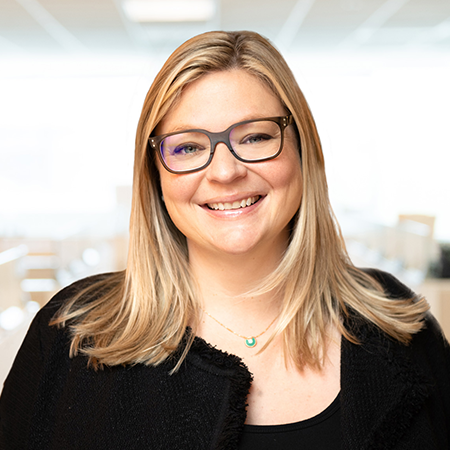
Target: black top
{"x": 392, "y": 396}
{"x": 321, "y": 432}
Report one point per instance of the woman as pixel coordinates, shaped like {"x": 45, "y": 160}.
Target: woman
{"x": 239, "y": 322}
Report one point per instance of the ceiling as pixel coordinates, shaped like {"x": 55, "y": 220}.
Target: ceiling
{"x": 101, "y": 26}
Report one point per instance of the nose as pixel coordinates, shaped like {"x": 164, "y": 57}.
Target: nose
{"x": 224, "y": 167}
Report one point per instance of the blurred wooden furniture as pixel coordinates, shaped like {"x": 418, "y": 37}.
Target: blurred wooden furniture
{"x": 40, "y": 281}
{"x": 437, "y": 292}
{"x": 11, "y": 275}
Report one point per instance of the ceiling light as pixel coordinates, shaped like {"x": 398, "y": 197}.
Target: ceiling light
{"x": 169, "y": 10}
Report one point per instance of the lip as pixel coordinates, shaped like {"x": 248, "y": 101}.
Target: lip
{"x": 233, "y": 198}
{"x": 238, "y": 204}
{"x": 232, "y": 212}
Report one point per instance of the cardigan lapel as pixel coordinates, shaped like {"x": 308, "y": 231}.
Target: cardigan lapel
{"x": 382, "y": 390}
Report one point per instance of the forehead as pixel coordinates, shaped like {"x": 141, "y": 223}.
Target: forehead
{"x": 219, "y": 99}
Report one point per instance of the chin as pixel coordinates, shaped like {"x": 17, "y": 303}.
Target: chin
{"x": 235, "y": 251}
{"x": 237, "y": 247}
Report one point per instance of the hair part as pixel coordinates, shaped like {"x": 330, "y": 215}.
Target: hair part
{"x": 141, "y": 315}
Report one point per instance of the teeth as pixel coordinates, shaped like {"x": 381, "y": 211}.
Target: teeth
{"x": 235, "y": 205}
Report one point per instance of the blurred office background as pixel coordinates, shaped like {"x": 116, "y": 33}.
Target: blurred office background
{"x": 73, "y": 76}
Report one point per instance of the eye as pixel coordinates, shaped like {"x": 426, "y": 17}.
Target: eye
{"x": 187, "y": 149}
{"x": 256, "y": 138}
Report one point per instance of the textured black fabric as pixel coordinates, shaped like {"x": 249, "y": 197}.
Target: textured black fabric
{"x": 392, "y": 396}
{"x": 53, "y": 402}
{"x": 321, "y": 432}
{"x": 398, "y": 396}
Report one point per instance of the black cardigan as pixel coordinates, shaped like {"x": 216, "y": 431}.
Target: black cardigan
{"x": 392, "y": 396}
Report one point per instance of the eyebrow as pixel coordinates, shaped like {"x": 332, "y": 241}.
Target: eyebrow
{"x": 185, "y": 127}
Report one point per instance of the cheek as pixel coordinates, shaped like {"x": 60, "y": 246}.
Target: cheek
{"x": 171, "y": 201}
{"x": 288, "y": 178}
{"x": 171, "y": 184}
{"x": 177, "y": 191}
{"x": 292, "y": 198}
{"x": 168, "y": 184}
{"x": 173, "y": 193}
{"x": 294, "y": 187}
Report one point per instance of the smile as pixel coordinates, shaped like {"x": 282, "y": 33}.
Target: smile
{"x": 235, "y": 205}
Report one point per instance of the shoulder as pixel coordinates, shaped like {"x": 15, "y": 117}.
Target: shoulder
{"x": 392, "y": 286}
{"x": 431, "y": 335}
{"x": 84, "y": 284}
{"x": 42, "y": 360}
{"x": 41, "y": 335}
{"x": 431, "y": 345}
{"x": 91, "y": 286}
{"x": 395, "y": 289}
{"x": 43, "y": 340}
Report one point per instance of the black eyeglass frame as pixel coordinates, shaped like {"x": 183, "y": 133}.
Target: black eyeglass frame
{"x": 224, "y": 136}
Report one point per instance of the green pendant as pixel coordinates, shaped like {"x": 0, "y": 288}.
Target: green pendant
{"x": 250, "y": 342}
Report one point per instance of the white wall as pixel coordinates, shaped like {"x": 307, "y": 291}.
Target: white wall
{"x": 384, "y": 120}
{"x": 67, "y": 132}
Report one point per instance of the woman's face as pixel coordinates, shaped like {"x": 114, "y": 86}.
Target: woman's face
{"x": 274, "y": 187}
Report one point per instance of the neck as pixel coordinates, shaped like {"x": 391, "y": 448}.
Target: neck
{"x": 224, "y": 280}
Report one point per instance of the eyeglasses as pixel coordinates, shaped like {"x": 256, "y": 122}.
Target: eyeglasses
{"x": 249, "y": 141}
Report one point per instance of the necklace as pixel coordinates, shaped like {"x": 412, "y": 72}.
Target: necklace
{"x": 249, "y": 341}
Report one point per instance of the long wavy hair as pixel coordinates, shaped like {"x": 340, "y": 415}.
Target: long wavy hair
{"x": 141, "y": 315}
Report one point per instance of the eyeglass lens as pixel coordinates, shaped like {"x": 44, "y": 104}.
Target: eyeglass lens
{"x": 251, "y": 141}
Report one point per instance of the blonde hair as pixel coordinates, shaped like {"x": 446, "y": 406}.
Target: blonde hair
{"x": 141, "y": 315}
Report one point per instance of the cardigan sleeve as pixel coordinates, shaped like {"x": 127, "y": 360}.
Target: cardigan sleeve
{"x": 22, "y": 384}
{"x": 34, "y": 365}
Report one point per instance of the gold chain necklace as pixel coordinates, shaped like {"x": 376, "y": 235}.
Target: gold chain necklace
{"x": 249, "y": 341}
